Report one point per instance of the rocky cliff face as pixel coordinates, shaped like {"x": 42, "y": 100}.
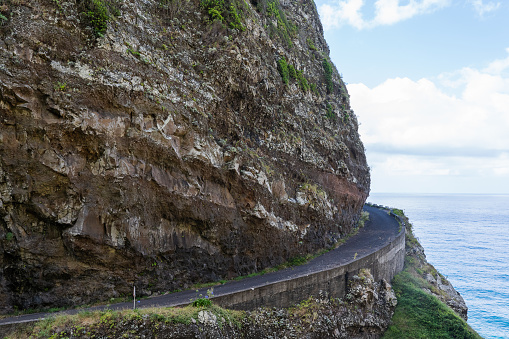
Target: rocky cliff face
{"x": 431, "y": 281}
{"x": 438, "y": 285}
{"x": 166, "y": 142}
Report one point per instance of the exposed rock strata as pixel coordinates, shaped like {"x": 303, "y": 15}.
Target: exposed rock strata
{"x": 166, "y": 152}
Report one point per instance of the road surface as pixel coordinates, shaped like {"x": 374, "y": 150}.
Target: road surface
{"x": 380, "y": 230}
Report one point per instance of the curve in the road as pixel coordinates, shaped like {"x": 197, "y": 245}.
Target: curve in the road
{"x": 378, "y": 246}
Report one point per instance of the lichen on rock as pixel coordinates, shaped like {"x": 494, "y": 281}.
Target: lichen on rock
{"x": 160, "y": 147}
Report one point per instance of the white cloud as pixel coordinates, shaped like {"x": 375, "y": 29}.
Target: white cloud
{"x": 498, "y": 66}
{"x": 427, "y": 174}
{"x": 481, "y": 8}
{"x": 344, "y": 12}
{"x": 406, "y": 165}
{"x": 415, "y": 128}
{"x": 387, "y": 12}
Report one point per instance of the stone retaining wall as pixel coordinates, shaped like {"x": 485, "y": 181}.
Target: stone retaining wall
{"x": 383, "y": 264}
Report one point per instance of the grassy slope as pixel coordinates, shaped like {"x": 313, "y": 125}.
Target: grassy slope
{"x": 124, "y": 323}
{"x": 419, "y": 314}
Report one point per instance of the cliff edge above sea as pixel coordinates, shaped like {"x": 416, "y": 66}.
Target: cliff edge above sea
{"x": 410, "y": 308}
{"x": 428, "y": 304}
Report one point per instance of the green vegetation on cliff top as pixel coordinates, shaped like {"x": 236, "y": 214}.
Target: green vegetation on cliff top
{"x": 420, "y": 315}
{"x": 124, "y": 323}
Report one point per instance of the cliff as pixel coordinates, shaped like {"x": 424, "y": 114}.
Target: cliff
{"x": 433, "y": 282}
{"x": 428, "y": 305}
{"x": 164, "y": 143}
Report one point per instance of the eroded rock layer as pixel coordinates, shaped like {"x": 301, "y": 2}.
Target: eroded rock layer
{"x": 156, "y": 143}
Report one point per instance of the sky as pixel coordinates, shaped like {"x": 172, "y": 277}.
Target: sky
{"x": 429, "y": 83}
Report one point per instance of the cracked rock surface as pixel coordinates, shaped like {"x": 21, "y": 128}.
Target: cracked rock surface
{"x": 167, "y": 150}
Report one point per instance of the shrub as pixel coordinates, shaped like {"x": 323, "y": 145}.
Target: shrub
{"x": 202, "y": 302}
{"x": 235, "y": 21}
{"x": 284, "y": 29}
{"x": 214, "y": 9}
{"x": 98, "y": 16}
{"x": 9, "y": 236}
{"x": 327, "y": 67}
{"x": 303, "y": 83}
{"x": 282, "y": 67}
{"x": 225, "y": 12}
{"x": 330, "y": 113}
{"x": 311, "y": 45}
{"x": 60, "y": 86}
{"x": 99, "y": 12}
{"x": 346, "y": 117}
{"x": 364, "y": 217}
{"x": 292, "y": 72}
{"x": 313, "y": 88}
{"x": 4, "y": 12}
{"x": 170, "y": 7}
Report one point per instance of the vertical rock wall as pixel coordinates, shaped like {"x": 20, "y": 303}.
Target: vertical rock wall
{"x": 165, "y": 148}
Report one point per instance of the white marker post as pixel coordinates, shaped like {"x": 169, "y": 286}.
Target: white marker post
{"x": 134, "y": 297}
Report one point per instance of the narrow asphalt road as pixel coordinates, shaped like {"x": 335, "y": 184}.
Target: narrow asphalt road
{"x": 380, "y": 230}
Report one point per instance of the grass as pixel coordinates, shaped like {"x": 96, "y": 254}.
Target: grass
{"x": 421, "y": 315}
{"x": 418, "y": 313}
{"x": 111, "y": 324}
{"x": 33, "y": 310}
{"x": 295, "y": 261}
{"x": 364, "y": 218}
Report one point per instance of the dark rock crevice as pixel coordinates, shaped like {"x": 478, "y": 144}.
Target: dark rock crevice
{"x": 166, "y": 152}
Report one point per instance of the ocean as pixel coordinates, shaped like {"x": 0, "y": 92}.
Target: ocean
{"x": 466, "y": 237}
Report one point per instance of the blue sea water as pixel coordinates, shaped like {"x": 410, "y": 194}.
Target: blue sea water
{"x": 466, "y": 237}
